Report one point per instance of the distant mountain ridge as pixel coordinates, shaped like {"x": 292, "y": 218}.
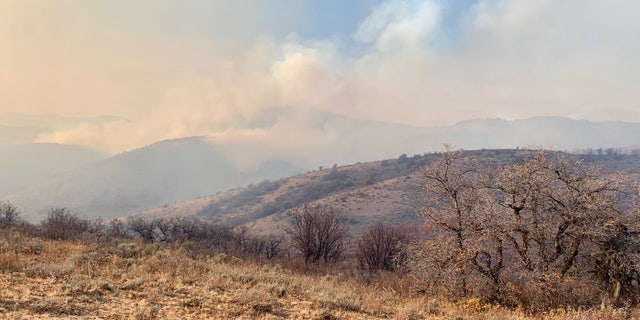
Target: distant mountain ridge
{"x": 163, "y": 172}
{"x": 558, "y": 133}
{"x": 51, "y": 120}
{"x": 23, "y": 165}
{"x": 286, "y": 140}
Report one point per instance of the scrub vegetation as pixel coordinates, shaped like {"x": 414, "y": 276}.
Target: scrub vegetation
{"x": 543, "y": 235}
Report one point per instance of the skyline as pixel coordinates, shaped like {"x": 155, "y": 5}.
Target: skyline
{"x": 205, "y": 68}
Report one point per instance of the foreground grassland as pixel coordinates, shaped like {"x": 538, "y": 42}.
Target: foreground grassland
{"x": 41, "y": 279}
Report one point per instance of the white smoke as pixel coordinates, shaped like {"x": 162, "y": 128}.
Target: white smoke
{"x": 413, "y": 64}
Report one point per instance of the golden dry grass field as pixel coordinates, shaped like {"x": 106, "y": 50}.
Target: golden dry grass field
{"x": 42, "y": 279}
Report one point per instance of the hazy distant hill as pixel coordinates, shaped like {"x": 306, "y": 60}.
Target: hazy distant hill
{"x": 17, "y": 135}
{"x": 18, "y": 128}
{"x": 161, "y": 173}
{"x": 23, "y": 165}
{"x": 24, "y": 162}
{"x": 548, "y": 132}
{"x": 313, "y": 137}
{"x": 51, "y": 121}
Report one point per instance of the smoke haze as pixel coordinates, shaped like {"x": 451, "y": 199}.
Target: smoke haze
{"x": 169, "y": 69}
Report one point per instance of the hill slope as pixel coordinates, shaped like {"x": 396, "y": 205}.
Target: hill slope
{"x": 388, "y": 191}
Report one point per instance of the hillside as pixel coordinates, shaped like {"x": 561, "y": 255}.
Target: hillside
{"x": 347, "y": 187}
{"x": 386, "y": 191}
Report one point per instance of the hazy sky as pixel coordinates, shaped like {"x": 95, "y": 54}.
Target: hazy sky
{"x": 201, "y": 67}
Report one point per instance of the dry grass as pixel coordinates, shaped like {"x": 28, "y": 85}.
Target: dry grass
{"x": 55, "y": 280}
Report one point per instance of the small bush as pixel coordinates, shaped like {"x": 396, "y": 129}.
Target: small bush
{"x": 132, "y": 284}
{"x": 9, "y": 263}
{"x": 60, "y": 224}
{"x": 220, "y": 258}
{"x": 127, "y": 250}
{"x": 50, "y": 270}
{"x": 318, "y": 233}
{"x": 340, "y": 301}
{"x": 57, "y": 306}
{"x": 379, "y": 247}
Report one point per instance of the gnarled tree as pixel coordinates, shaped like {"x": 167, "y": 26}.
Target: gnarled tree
{"x": 531, "y": 232}
{"x": 462, "y": 226}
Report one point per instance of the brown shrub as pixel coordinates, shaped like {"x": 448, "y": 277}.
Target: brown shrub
{"x": 379, "y": 247}
{"x": 318, "y": 233}
{"x": 60, "y": 224}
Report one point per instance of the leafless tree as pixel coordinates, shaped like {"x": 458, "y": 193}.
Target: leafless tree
{"x": 616, "y": 262}
{"x": 379, "y": 247}
{"x": 274, "y": 247}
{"x": 547, "y": 223}
{"x": 318, "y": 233}
{"x": 538, "y": 220}
{"x": 560, "y": 214}
{"x": 247, "y": 244}
{"x": 61, "y": 224}
{"x": 117, "y": 229}
{"x": 9, "y": 215}
{"x": 459, "y": 219}
{"x": 143, "y": 228}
